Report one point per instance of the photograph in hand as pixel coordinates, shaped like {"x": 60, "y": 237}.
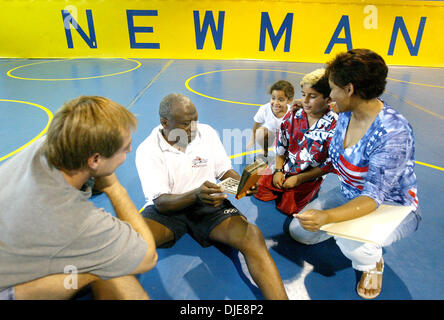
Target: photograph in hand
{"x": 250, "y": 176}
{"x": 229, "y": 185}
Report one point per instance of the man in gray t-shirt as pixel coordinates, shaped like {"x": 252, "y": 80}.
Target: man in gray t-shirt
{"x": 53, "y": 240}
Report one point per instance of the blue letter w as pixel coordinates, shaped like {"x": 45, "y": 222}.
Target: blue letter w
{"x": 201, "y": 34}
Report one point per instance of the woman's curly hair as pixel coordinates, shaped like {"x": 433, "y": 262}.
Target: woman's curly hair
{"x": 365, "y": 69}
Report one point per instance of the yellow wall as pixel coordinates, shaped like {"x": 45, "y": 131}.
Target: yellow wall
{"x": 35, "y": 29}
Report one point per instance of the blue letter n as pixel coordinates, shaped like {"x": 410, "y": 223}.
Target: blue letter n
{"x": 400, "y": 25}
{"x": 68, "y": 20}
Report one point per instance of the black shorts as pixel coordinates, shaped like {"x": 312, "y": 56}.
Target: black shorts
{"x": 197, "y": 220}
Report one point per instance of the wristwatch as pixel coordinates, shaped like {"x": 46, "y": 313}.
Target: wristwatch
{"x": 278, "y": 170}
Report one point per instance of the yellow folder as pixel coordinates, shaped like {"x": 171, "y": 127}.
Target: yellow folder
{"x": 374, "y": 227}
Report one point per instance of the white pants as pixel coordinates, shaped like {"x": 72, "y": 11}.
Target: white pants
{"x": 364, "y": 256}
{"x": 7, "y": 294}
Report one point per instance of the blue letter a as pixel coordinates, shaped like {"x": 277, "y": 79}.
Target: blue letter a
{"x": 69, "y": 20}
{"x": 343, "y": 24}
{"x": 201, "y": 34}
{"x": 275, "y": 38}
{"x": 399, "y": 24}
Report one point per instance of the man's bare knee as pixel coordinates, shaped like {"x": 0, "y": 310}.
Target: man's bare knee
{"x": 121, "y": 288}
{"x": 53, "y": 287}
{"x": 253, "y": 240}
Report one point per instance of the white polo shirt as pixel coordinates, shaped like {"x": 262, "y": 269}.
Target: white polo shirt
{"x": 163, "y": 169}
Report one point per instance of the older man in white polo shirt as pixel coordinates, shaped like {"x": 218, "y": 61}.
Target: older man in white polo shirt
{"x": 179, "y": 164}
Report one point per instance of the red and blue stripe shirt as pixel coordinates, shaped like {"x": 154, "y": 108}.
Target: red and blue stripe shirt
{"x": 304, "y": 146}
{"x": 381, "y": 165}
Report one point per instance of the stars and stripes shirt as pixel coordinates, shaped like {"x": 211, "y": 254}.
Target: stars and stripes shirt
{"x": 305, "y": 146}
{"x": 381, "y": 165}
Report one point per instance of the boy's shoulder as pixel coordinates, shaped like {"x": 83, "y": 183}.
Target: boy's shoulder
{"x": 331, "y": 115}
{"x": 298, "y": 114}
{"x": 265, "y": 106}
{"x": 328, "y": 121}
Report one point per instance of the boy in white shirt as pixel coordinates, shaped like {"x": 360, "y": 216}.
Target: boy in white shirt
{"x": 267, "y": 120}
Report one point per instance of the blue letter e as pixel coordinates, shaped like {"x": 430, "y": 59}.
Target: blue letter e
{"x": 132, "y": 29}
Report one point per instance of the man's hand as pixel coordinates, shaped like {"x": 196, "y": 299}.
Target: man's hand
{"x": 312, "y": 220}
{"x": 106, "y": 182}
{"x": 278, "y": 179}
{"x": 211, "y": 194}
{"x": 297, "y": 104}
{"x": 253, "y": 189}
{"x": 291, "y": 182}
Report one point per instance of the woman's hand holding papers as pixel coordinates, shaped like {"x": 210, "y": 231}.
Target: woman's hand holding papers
{"x": 312, "y": 220}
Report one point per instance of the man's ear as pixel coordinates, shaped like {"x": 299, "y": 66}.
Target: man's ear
{"x": 164, "y": 122}
{"x": 94, "y": 161}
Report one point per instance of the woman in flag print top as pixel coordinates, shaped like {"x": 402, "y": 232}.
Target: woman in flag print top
{"x": 381, "y": 164}
{"x": 372, "y": 152}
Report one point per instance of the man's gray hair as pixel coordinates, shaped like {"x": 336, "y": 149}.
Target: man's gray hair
{"x": 167, "y": 103}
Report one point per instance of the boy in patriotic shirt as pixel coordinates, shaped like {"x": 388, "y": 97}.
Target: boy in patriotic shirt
{"x": 302, "y": 148}
{"x": 372, "y": 152}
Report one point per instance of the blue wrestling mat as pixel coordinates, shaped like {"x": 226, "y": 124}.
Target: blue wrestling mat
{"x": 227, "y": 95}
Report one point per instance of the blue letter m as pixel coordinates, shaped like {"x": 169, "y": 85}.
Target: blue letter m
{"x": 275, "y": 38}
{"x": 400, "y": 25}
{"x": 68, "y": 20}
{"x": 201, "y": 34}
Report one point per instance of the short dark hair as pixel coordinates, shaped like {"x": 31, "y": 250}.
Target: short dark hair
{"x": 365, "y": 69}
{"x": 166, "y": 105}
{"x": 285, "y": 86}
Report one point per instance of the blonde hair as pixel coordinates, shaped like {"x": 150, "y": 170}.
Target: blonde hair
{"x": 318, "y": 80}
{"x": 84, "y": 126}
{"x": 313, "y": 77}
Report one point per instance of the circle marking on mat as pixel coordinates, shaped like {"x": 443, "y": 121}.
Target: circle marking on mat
{"x": 417, "y": 83}
{"x": 48, "y": 113}
{"x": 9, "y": 73}
{"x": 187, "y": 83}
